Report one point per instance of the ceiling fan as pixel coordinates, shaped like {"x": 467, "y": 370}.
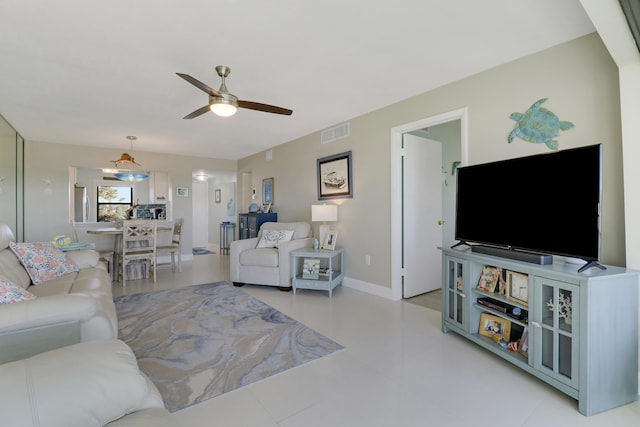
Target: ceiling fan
{"x": 223, "y": 103}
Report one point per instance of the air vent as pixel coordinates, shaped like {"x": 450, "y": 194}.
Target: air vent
{"x": 334, "y": 133}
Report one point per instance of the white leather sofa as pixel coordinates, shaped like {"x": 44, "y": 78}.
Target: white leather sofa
{"x": 268, "y": 266}
{"x": 72, "y": 308}
{"x": 94, "y": 383}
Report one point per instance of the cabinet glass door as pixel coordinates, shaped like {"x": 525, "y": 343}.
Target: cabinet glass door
{"x": 556, "y": 321}
{"x": 455, "y": 292}
{"x": 253, "y": 225}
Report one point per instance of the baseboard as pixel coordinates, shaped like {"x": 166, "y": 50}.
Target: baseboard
{"x": 370, "y": 288}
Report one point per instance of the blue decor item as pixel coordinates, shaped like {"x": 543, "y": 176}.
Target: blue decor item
{"x": 538, "y": 125}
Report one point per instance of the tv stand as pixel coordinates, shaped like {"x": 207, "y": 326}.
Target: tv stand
{"x": 591, "y": 264}
{"x": 519, "y": 255}
{"x": 580, "y": 330}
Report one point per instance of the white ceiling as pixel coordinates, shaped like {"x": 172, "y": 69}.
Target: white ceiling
{"x": 91, "y": 72}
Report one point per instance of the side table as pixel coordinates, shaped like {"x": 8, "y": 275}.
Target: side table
{"x": 331, "y": 276}
{"x": 227, "y": 232}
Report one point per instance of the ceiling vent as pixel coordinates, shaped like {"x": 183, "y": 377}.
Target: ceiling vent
{"x": 341, "y": 131}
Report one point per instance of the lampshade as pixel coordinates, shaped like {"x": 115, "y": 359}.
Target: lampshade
{"x": 324, "y": 213}
{"x": 131, "y": 176}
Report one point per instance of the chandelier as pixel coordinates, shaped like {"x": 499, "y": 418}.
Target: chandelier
{"x": 132, "y": 170}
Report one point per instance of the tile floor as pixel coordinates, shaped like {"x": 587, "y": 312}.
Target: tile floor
{"x": 397, "y": 370}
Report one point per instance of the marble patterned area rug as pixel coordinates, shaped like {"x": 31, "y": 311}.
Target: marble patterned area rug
{"x": 198, "y": 342}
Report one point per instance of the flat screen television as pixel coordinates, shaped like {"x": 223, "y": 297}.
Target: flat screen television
{"x": 546, "y": 203}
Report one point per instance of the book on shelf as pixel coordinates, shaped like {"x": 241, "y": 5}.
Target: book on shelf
{"x": 495, "y": 305}
{"x": 311, "y": 268}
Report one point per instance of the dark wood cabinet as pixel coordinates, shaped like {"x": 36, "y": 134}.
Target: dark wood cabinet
{"x": 249, "y": 223}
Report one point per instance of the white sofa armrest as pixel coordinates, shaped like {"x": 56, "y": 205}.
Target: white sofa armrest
{"x": 284, "y": 258}
{"x": 85, "y": 258}
{"x": 91, "y": 383}
{"x": 235, "y": 249}
{"x": 46, "y": 311}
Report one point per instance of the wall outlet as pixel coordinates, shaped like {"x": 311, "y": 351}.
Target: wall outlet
{"x": 367, "y": 259}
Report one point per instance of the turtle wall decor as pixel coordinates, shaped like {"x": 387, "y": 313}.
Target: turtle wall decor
{"x": 538, "y": 125}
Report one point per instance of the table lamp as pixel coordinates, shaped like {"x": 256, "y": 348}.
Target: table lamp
{"x": 324, "y": 213}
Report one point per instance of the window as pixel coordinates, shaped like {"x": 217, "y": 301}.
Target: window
{"x": 114, "y": 202}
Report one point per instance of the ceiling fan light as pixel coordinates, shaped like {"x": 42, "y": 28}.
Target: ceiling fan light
{"x": 223, "y": 108}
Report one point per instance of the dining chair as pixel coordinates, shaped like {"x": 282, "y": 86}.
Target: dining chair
{"x": 105, "y": 255}
{"x": 138, "y": 244}
{"x": 175, "y": 247}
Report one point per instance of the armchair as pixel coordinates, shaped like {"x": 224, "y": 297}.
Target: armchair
{"x": 270, "y": 266}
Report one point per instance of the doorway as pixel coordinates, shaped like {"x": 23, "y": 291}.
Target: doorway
{"x": 200, "y": 212}
{"x": 446, "y": 169}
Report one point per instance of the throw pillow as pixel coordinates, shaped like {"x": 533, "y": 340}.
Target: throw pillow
{"x": 43, "y": 261}
{"x": 10, "y": 292}
{"x": 272, "y": 238}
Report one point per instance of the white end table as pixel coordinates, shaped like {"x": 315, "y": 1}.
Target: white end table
{"x": 332, "y": 276}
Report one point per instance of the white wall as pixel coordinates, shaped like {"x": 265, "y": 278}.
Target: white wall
{"x": 610, "y": 23}
{"x": 579, "y": 78}
{"x": 47, "y": 205}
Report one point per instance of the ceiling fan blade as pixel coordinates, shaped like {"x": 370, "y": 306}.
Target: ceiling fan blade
{"x": 199, "y": 85}
{"x": 200, "y": 111}
{"x": 264, "y": 107}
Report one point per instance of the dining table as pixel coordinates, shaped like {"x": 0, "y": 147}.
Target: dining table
{"x": 117, "y": 232}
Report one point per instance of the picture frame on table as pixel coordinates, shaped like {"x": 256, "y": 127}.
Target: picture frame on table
{"x": 335, "y": 176}
{"x": 267, "y": 191}
{"x": 518, "y": 287}
{"x": 182, "y": 191}
{"x": 489, "y": 278}
{"x": 330, "y": 240}
{"x": 491, "y": 325}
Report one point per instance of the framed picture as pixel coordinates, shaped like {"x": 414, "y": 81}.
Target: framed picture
{"x": 491, "y": 325}
{"x": 489, "y": 278}
{"x": 311, "y": 268}
{"x": 182, "y": 191}
{"x": 518, "y": 287}
{"x": 330, "y": 240}
{"x": 335, "y": 176}
{"x": 217, "y": 195}
{"x": 267, "y": 191}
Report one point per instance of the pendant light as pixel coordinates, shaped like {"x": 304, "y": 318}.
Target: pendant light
{"x": 133, "y": 171}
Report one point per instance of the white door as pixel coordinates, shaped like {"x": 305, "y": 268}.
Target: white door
{"x": 421, "y": 215}
{"x": 200, "y": 208}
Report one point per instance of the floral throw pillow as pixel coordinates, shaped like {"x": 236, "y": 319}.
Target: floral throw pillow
{"x": 43, "y": 261}
{"x": 272, "y": 238}
{"x": 10, "y": 292}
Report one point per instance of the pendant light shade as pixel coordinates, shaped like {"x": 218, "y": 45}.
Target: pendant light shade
{"x": 132, "y": 170}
